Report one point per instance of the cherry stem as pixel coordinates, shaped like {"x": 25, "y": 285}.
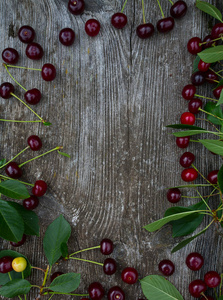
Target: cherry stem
{"x": 8, "y": 178}
{"x": 18, "y": 67}
{"x": 20, "y": 298}
{"x": 160, "y": 9}
{"x": 14, "y": 157}
{"x": 215, "y": 72}
{"x": 209, "y": 114}
{"x": 10, "y": 277}
{"x": 96, "y": 247}
{"x": 205, "y": 296}
{"x": 143, "y": 12}
{"x": 17, "y": 121}
{"x": 216, "y": 295}
{"x": 195, "y": 197}
{"x": 220, "y": 285}
{"x": 194, "y": 141}
{"x": 205, "y": 97}
{"x": 124, "y": 6}
{"x": 171, "y": 2}
{"x": 51, "y": 296}
{"x": 14, "y": 78}
{"x": 204, "y": 202}
{"x": 204, "y": 177}
{"x": 45, "y": 279}
{"x": 200, "y": 44}
{"x": 32, "y": 267}
{"x": 90, "y": 261}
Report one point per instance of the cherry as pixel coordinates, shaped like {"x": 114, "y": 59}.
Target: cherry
{"x": 188, "y": 92}
{"x": 165, "y": 25}
{"x": 187, "y": 159}
{"x": 39, "y": 188}
{"x": 144, "y": 31}
{"x": 34, "y": 51}
{"x": 178, "y": 9}
{"x": 212, "y": 279}
{"x": 6, "y": 89}
{"x": 76, "y": 7}
{"x": 217, "y": 91}
{"x": 33, "y": 96}
{"x": 213, "y": 177}
{"x": 203, "y": 66}
{"x": 187, "y": 118}
{"x": 183, "y": 142}
{"x": 189, "y": 174}
{"x": 20, "y": 243}
{"x": 26, "y": 34}
{"x": 194, "y": 105}
{"x": 109, "y": 266}
{"x": 173, "y": 195}
{"x": 48, "y": 72}
{"x": 34, "y": 142}
{"x": 92, "y": 27}
{"x": 119, "y": 20}
{"x": 211, "y": 77}
{"x": 167, "y": 267}
{"x": 198, "y": 78}
{"x": 55, "y": 275}
{"x": 197, "y": 287}
{"x": 217, "y": 31}
{"x": 31, "y": 203}
{"x": 13, "y": 170}
{"x": 194, "y": 261}
{"x": 193, "y": 45}
{"x": 106, "y": 246}
{"x": 6, "y": 264}
{"x": 67, "y": 36}
{"x": 10, "y": 56}
{"x": 116, "y": 293}
{"x": 209, "y": 42}
{"x": 130, "y": 275}
{"x": 96, "y": 291}
{"x": 19, "y": 264}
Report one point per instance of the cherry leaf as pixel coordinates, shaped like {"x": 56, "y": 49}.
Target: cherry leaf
{"x": 211, "y": 55}
{"x": 209, "y": 9}
{"x": 220, "y": 178}
{"x": 15, "y": 288}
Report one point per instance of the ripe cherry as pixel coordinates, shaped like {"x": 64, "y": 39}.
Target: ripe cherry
{"x": 217, "y": 31}
{"x": 203, "y": 66}
{"x": 109, "y": 266}
{"x": 178, "y": 9}
{"x": 92, "y": 27}
{"x": 188, "y": 92}
{"x": 194, "y": 261}
{"x": 31, "y": 203}
{"x": 217, "y": 91}
{"x": 198, "y": 78}
{"x": 167, "y": 267}
{"x": 96, "y": 291}
{"x": 20, "y": 243}
{"x": 55, "y": 275}
{"x": 6, "y": 89}
{"x": 187, "y": 159}
{"x": 39, "y": 188}
{"x": 212, "y": 279}
{"x": 187, "y": 118}
{"x": 173, "y": 195}
{"x": 26, "y": 34}
{"x": 211, "y": 77}
{"x": 193, "y": 45}
{"x": 13, "y": 170}
{"x": 144, "y": 31}
{"x": 213, "y": 177}
{"x": 33, "y": 96}
{"x": 106, "y": 246}
{"x": 165, "y": 25}
{"x": 34, "y": 142}
{"x": 76, "y": 7}
{"x": 116, "y": 293}
{"x": 194, "y": 105}
{"x": 130, "y": 275}
{"x": 197, "y": 287}
{"x": 10, "y": 56}
{"x": 67, "y": 36}
{"x": 119, "y": 20}
{"x": 6, "y": 264}
{"x": 34, "y": 51}
{"x": 48, "y": 72}
{"x": 183, "y": 142}
{"x": 189, "y": 174}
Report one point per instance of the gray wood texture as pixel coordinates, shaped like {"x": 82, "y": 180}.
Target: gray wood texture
{"x": 109, "y": 105}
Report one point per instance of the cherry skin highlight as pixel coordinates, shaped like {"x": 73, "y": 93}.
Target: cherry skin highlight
{"x": 183, "y": 142}
{"x": 6, "y": 264}
{"x": 166, "y": 267}
{"x": 193, "y": 45}
{"x": 194, "y": 105}
{"x": 145, "y": 31}
{"x": 96, "y": 291}
{"x": 26, "y": 34}
{"x": 189, "y": 175}
{"x": 48, "y": 72}
{"x": 187, "y": 159}
{"x": 34, "y": 51}
{"x": 34, "y": 142}
{"x": 10, "y": 56}
{"x": 33, "y": 96}
{"x": 116, "y": 293}
{"x": 20, "y": 243}
{"x": 39, "y": 188}
{"x": 213, "y": 177}
{"x": 198, "y": 78}
{"x": 119, "y": 20}
{"x": 178, "y": 9}
{"x": 173, "y": 195}
{"x": 13, "y": 170}
{"x": 188, "y": 92}
{"x": 31, "y": 203}
{"x": 197, "y": 287}
{"x": 6, "y": 89}
{"x": 129, "y": 275}
{"x": 194, "y": 261}
{"x": 106, "y": 247}
{"x": 165, "y": 25}
{"x": 203, "y": 66}
{"x": 76, "y": 7}
{"x": 67, "y": 36}
{"x": 92, "y": 27}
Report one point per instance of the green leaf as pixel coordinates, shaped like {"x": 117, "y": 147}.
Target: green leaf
{"x": 47, "y": 123}
{"x": 64, "y": 154}
{"x": 156, "y": 287}
{"x": 215, "y": 110}
{"x": 15, "y": 287}
{"x": 220, "y": 298}
{"x": 56, "y": 234}
{"x": 190, "y": 132}
{"x": 183, "y": 126}
{"x": 220, "y": 178}
{"x": 213, "y": 146}
{"x": 66, "y": 283}
{"x": 64, "y": 250}
{"x": 195, "y": 64}
{"x": 187, "y": 241}
{"x": 212, "y": 54}
{"x": 2, "y": 162}
{"x": 220, "y": 101}
{"x": 219, "y": 84}
{"x": 209, "y": 9}
{"x": 4, "y": 278}
{"x": 14, "y": 189}
{"x": 159, "y": 223}
{"x": 11, "y": 223}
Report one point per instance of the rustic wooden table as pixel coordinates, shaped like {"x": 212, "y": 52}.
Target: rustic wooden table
{"x": 109, "y": 105}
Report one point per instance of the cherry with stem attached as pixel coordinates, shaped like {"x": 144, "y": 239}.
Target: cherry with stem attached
{"x": 165, "y": 24}
{"x": 119, "y": 20}
{"x": 144, "y": 30}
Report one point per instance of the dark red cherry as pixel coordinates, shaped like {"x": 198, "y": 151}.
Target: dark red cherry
{"x": 119, "y": 20}
{"x": 26, "y": 34}
{"x": 187, "y": 159}
{"x": 194, "y": 261}
{"x": 13, "y": 170}
{"x": 34, "y": 142}
{"x": 116, "y": 293}
{"x": 173, "y": 195}
{"x": 197, "y": 287}
{"x": 67, "y": 36}
{"x": 217, "y": 31}
{"x": 55, "y": 275}
{"x": 213, "y": 177}
{"x": 39, "y": 188}
{"x": 194, "y": 105}
{"x": 209, "y": 42}
{"x": 187, "y": 118}
{"x": 193, "y": 45}
{"x": 106, "y": 246}
{"x": 211, "y": 77}
{"x": 6, "y": 89}
{"x": 203, "y": 66}
{"x": 183, "y": 142}
{"x": 167, "y": 267}
{"x": 20, "y": 243}
{"x": 34, "y": 51}
{"x": 144, "y": 31}
{"x": 6, "y": 264}
{"x": 33, "y": 96}
{"x": 212, "y": 279}
{"x": 48, "y": 72}
{"x": 96, "y": 291}
{"x": 165, "y": 25}
{"x": 10, "y": 56}
{"x": 188, "y": 92}
{"x": 198, "y": 78}
{"x": 217, "y": 91}
{"x": 76, "y": 7}
{"x": 178, "y": 9}
{"x": 31, "y": 203}
{"x": 130, "y": 275}
{"x": 92, "y": 27}
{"x": 189, "y": 175}
{"x": 109, "y": 266}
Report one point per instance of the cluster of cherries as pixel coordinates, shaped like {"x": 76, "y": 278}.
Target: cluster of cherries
{"x": 8, "y": 264}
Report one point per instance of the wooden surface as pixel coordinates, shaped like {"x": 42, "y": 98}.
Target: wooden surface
{"x": 109, "y": 105}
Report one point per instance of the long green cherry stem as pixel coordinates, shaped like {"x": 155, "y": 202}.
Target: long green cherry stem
{"x": 205, "y": 296}
{"x": 214, "y": 186}
{"x": 210, "y": 114}
{"x": 124, "y": 6}
{"x": 204, "y": 202}
{"x": 87, "y": 249}
{"x": 10, "y": 277}
{"x": 14, "y": 157}
{"x": 36, "y": 268}
{"x": 143, "y": 12}
{"x": 8, "y": 178}
{"x": 51, "y": 296}
{"x": 14, "y": 78}
{"x": 200, "y": 44}
{"x": 205, "y": 97}
{"x": 45, "y": 279}
{"x": 54, "y": 149}
{"x": 171, "y": 2}
{"x": 90, "y": 261}
{"x": 215, "y": 72}
{"x": 160, "y": 9}
{"x": 18, "y": 121}
{"x": 18, "y": 67}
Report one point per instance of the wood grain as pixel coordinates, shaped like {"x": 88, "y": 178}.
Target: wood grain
{"x": 109, "y": 105}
